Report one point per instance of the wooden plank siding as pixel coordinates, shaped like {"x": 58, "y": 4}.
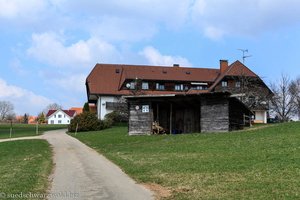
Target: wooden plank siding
{"x": 214, "y": 114}
{"x": 140, "y": 123}
{"x": 187, "y": 114}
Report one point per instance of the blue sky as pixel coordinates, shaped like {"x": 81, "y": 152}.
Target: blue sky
{"x": 48, "y": 47}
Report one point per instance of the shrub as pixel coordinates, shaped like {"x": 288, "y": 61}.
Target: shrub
{"x": 87, "y": 121}
{"x": 116, "y": 117}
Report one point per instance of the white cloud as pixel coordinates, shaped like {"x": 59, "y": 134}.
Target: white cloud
{"x": 154, "y": 57}
{"x": 12, "y": 9}
{"x": 24, "y": 101}
{"x": 74, "y": 83}
{"x": 50, "y": 48}
{"x": 217, "y": 18}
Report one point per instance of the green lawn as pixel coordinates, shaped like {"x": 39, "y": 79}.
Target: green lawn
{"x": 253, "y": 164}
{"x": 25, "y": 167}
{"x": 21, "y": 130}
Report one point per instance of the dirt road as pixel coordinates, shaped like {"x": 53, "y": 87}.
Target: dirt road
{"x": 82, "y": 173}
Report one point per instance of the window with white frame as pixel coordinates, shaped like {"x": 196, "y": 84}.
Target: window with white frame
{"x": 224, "y": 83}
{"x": 145, "y": 108}
{"x": 238, "y": 84}
{"x": 145, "y": 86}
{"x": 132, "y": 85}
{"x": 59, "y": 121}
{"x": 160, "y": 86}
{"x": 179, "y": 87}
{"x": 59, "y": 116}
{"x": 52, "y": 121}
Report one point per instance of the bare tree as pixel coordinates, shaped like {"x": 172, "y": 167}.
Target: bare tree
{"x": 6, "y": 109}
{"x": 283, "y": 101}
{"x": 295, "y": 89}
{"x": 53, "y": 106}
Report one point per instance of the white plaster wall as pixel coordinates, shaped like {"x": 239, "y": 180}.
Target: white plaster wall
{"x": 65, "y": 119}
{"x": 101, "y": 105}
{"x": 261, "y": 116}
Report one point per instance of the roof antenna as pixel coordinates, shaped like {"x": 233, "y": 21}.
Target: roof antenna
{"x": 244, "y": 56}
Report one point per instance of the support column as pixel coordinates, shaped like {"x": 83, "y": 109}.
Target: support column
{"x": 171, "y": 117}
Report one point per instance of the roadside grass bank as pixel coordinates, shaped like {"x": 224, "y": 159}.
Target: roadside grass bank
{"x": 254, "y": 164}
{"x": 25, "y": 168}
{"x": 22, "y": 130}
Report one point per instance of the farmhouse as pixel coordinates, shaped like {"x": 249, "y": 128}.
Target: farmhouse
{"x": 60, "y": 116}
{"x": 180, "y": 88}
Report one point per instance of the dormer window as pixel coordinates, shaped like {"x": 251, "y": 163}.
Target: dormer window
{"x": 179, "y": 87}
{"x": 160, "y": 86}
{"x": 145, "y": 86}
{"x": 132, "y": 85}
{"x": 224, "y": 84}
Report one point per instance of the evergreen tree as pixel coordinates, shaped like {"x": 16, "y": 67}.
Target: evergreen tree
{"x": 86, "y": 107}
{"x": 41, "y": 118}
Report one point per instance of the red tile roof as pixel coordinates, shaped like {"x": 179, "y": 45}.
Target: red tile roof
{"x": 77, "y": 110}
{"x": 70, "y": 113}
{"x": 107, "y": 79}
{"x": 235, "y": 69}
{"x": 104, "y": 80}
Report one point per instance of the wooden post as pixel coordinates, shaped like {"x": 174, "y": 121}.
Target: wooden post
{"x": 10, "y": 131}
{"x": 37, "y": 128}
{"x": 171, "y": 113}
{"x": 76, "y": 129}
{"x": 157, "y": 113}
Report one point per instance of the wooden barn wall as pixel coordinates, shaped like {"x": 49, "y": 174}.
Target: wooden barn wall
{"x": 140, "y": 123}
{"x": 214, "y": 114}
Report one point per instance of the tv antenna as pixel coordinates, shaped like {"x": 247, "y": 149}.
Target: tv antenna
{"x": 244, "y": 56}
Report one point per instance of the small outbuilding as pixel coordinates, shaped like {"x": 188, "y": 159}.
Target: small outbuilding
{"x": 190, "y": 113}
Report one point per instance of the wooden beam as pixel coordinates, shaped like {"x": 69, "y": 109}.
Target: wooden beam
{"x": 171, "y": 113}
{"x": 157, "y": 112}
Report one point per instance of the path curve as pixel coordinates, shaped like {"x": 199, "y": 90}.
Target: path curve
{"x": 82, "y": 173}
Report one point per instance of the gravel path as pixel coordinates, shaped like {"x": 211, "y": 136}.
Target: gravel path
{"x": 82, "y": 173}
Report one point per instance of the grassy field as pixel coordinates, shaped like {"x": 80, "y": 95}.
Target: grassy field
{"x": 21, "y": 130}
{"x": 25, "y": 167}
{"x": 253, "y": 164}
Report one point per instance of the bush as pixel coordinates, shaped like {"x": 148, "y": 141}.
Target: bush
{"x": 116, "y": 117}
{"x": 88, "y": 121}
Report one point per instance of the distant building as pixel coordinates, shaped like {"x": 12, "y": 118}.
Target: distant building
{"x": 60, "y": 116}
{"x": 77, "y": 110}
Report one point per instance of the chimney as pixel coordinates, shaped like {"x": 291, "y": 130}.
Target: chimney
{"x": 223, "y": 66}
{"x": 176, "y": 65}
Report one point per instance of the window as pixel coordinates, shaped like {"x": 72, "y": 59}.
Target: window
{"x": 64, "y": 116}
{"x": 54, "y": 116}
{"x": 179, "y": 87}
{"x": 59, "y": 121}
{"x": 145, "y": 108}
{"x": 160, "y": 86}
{"x": 199, "y": 87}
{"x": 59, "y": 116}
{"x": 145, "y": 86}
{"x": 224, "y": 83}
{"x": 132, "y": 85}
{"x": 238, "y": 84}
{"x": 52, "y": 121}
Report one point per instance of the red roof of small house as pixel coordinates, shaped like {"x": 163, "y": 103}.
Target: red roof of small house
{"x": 70, "y": 113}
{"x": 77, "y": 110}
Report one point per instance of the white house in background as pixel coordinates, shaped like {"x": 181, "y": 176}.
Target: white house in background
{"x": 60, "y": 116}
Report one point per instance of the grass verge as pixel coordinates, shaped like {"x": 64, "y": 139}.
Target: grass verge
{"x": 254, "y": 164}
{"x": 25, "y": 168}
{"x": 22, "y": 130}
